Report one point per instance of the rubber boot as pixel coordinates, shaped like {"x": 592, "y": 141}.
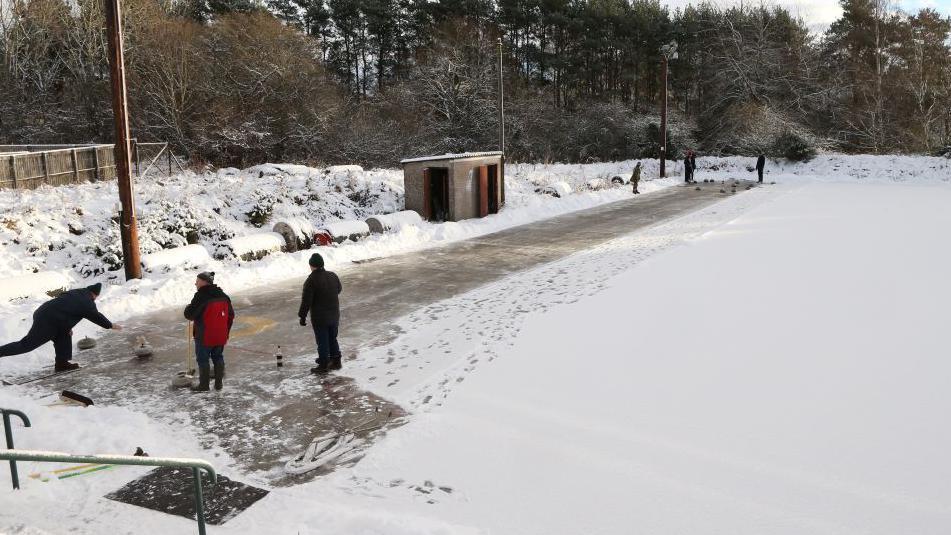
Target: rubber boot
{"x": 219, "y": 375}
{"x": 203, "y": 375}
{"x": 335, "y": 363}
{"x": 321, "y": 368}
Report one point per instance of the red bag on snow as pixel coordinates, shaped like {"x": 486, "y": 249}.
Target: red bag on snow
{"x": 215, "y": 323}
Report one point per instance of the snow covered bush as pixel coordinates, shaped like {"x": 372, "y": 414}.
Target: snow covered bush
{"x": 251, "y": 247}
{"x": 647, "y": 136}
{"x": 175, "y": 224}
{"x": 749, "y": 129}
{"x": 262, "y": 207}
{"x": 189, "y": 257}
{"x": 793, "y": 147}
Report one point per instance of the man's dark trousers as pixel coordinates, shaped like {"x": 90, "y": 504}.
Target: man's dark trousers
{"x": 39, "y": 335}
{"x": 204, "y": 354}
{"x": 327, "y": 347}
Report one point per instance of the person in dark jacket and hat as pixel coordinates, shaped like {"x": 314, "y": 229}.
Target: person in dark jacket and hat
{"x": 690, "y": 166}
{"x": 688, "y": 169}
{"x": 320, "y": 299}
{"x": 760, "y": 165}
{"x": 53, "y": 322}
{"x": 213, "y": 315}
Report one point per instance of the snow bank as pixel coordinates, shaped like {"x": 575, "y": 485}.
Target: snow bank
{"x": 32, "y": 285}
{"x": 387, "y": 222}
{"x": 276, "y": 170}
{"x": 596, "y": 184}
{"x": 253, "y": 247}
{"x": 338, "y": 169}
{"x": 834, "y": 167}
{"x": 558, "y": 189}
{"x": 189, "y": 256}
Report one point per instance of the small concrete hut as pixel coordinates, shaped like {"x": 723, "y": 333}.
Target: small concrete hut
{"x": 453, "y": 187}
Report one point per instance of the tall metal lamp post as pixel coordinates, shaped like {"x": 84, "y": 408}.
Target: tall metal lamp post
{"x": 501, "y": 127}
{"x": 501, "y": 105}
{"x": 667, "y": 53}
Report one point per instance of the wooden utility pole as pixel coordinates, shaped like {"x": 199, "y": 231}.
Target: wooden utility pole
{"x": 127, "y": 223}
{"x": 667, "y": 52}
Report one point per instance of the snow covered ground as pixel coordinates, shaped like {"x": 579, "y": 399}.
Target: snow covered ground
{"x": 71, "y": 232}
{"x": 772, "y": 364}
{"x": 784, "y": 372}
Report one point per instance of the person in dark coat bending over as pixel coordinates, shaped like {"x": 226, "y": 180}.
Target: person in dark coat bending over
{"x": 760, "y": 165}
{"x": 320, "y": 299}
{"x": 213, "y": 315}
{"x": 54, "y": 322}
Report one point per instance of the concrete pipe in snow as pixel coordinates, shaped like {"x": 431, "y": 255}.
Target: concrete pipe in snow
{"x": 296, "y": 238}
{"x": 386, "y": 222}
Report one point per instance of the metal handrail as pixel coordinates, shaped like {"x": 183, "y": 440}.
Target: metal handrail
{"x": 8, "y": 432}
{"x": 197, "y": 465}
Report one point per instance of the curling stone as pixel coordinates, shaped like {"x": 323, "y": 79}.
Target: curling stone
{"x": 182, "y": 379}
{"x": 142, "y": 348}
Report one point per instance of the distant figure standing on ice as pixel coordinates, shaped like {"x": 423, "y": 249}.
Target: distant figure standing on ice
{"x": 213, "y": 315}
{"x": 636, "y": 177}
{"x": 760, "y": 165}
{"x": 321, "y": 299}
{"x": 54, "y": 322}
{"x": 688, "y": 167}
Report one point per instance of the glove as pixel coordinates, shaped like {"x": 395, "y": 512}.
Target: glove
{"x": 303, "y": 321}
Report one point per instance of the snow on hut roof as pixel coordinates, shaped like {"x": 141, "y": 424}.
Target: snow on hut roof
{"x": 447, "y": 156}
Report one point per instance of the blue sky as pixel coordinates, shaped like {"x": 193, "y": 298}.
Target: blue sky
{"x": 820, "y": 13}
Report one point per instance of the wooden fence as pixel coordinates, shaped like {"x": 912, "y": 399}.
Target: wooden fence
{"x": 31, "y": 166}
{"x": 22, "y": 169}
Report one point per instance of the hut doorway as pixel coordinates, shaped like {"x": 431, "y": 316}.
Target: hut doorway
{"x": 436, "y": 193}
{"x": 488, "y": 189}
{"x": 493, "y": 192}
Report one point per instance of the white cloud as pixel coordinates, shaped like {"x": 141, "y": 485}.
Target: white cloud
{"x": 814, "y": 12}
{"x": 819, "y": 13}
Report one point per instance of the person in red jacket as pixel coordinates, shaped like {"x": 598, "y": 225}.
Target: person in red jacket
{"x": 213, "y": 315}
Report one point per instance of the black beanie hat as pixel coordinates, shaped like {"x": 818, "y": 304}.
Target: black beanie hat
{"x": 316, "y": 260}
{"x": 95, "y": 288}
{"x": 207, "y": 276}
